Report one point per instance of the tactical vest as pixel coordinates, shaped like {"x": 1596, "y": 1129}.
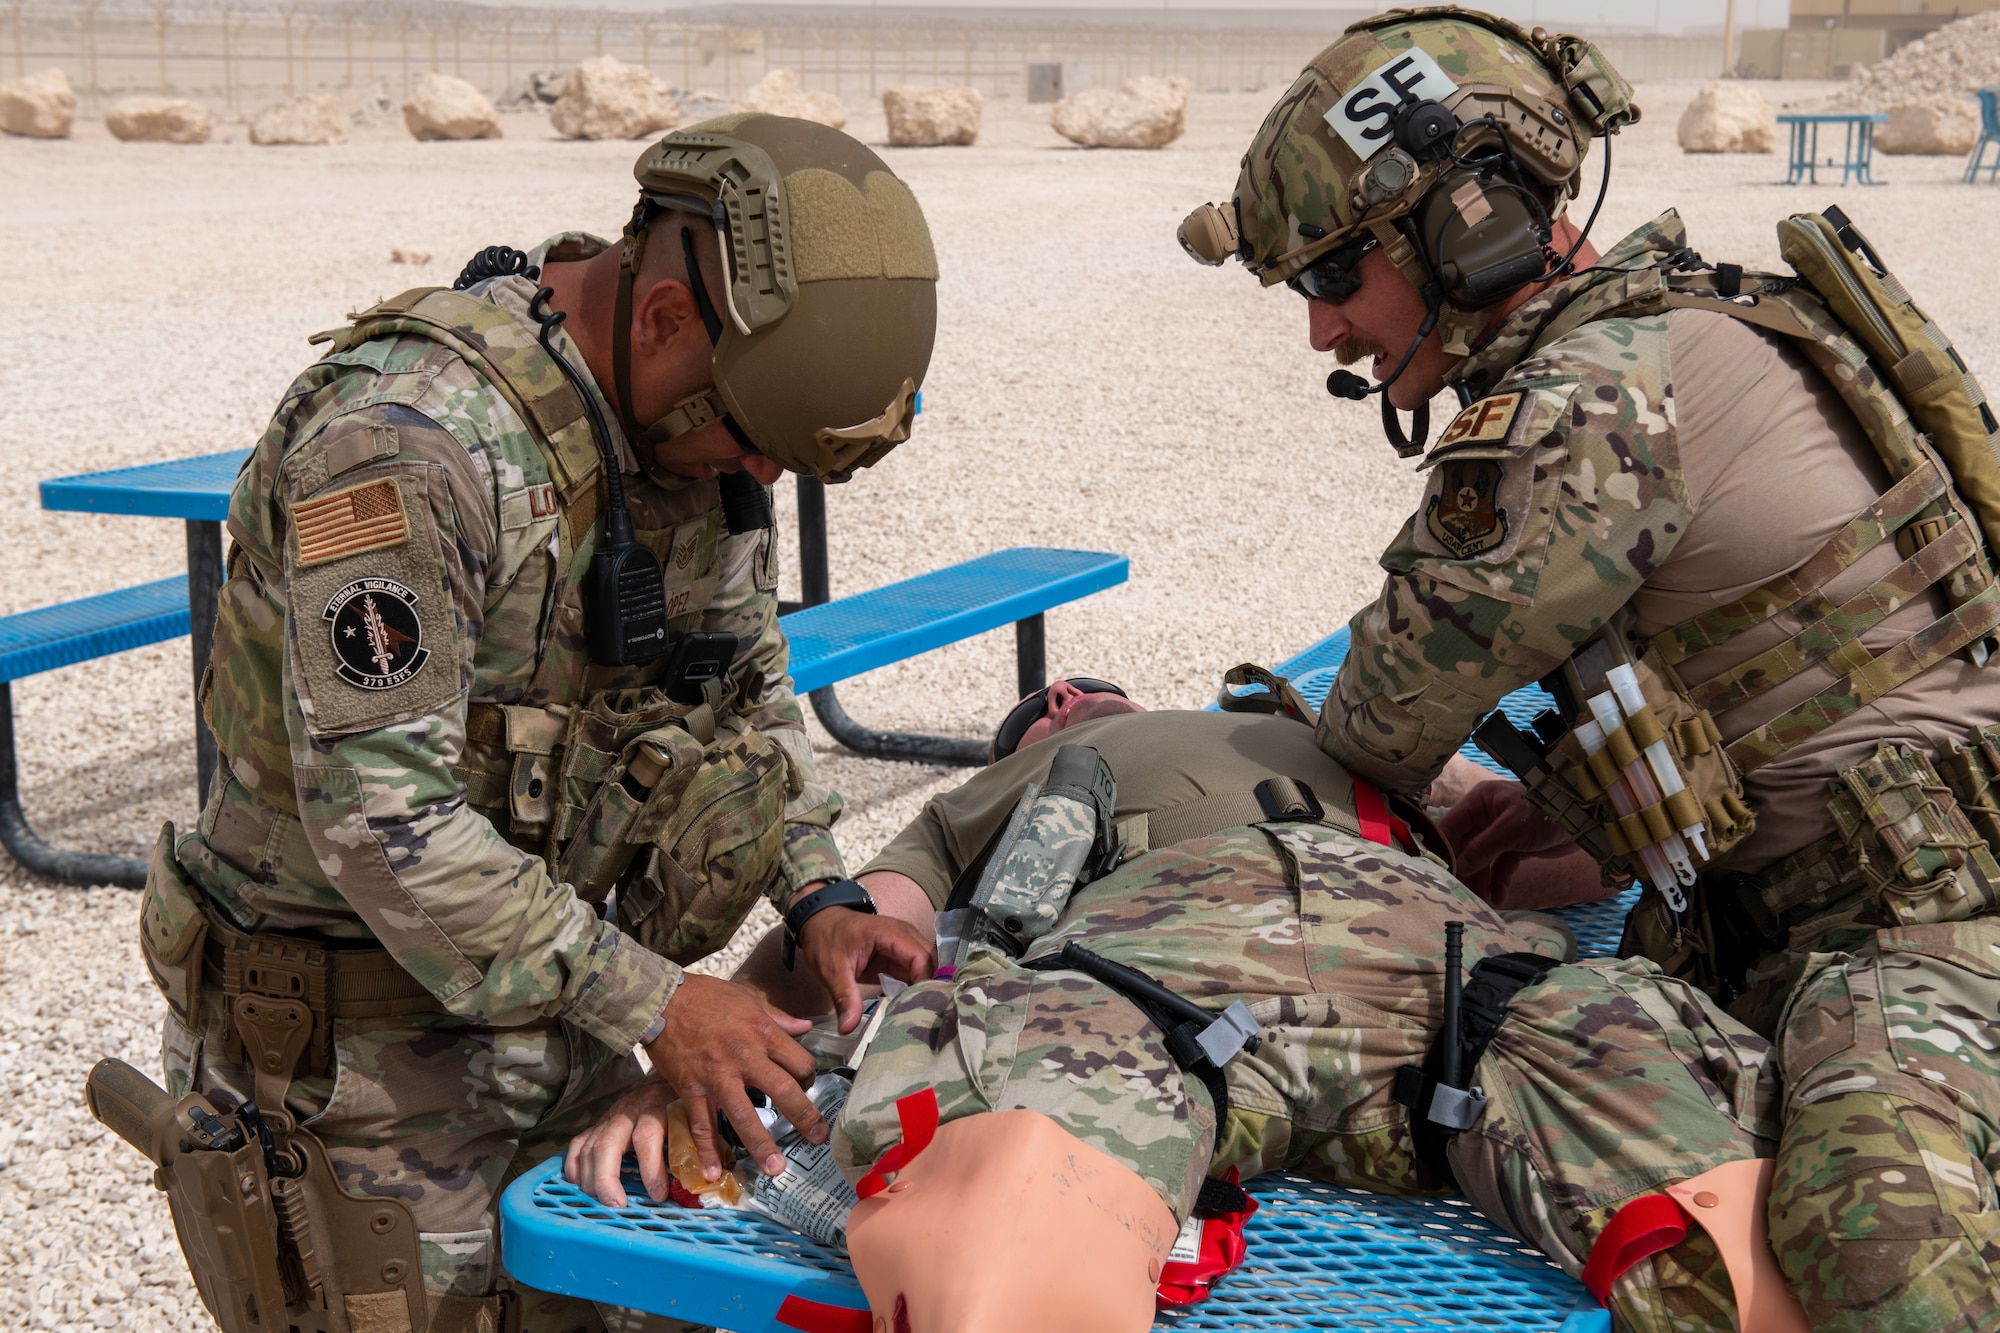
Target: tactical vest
{"x": 1904, "y": 842}
{"x": 678, "y": 806}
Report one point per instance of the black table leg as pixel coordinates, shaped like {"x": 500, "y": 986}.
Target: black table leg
{"x": 816, "y": 586}
{"x": 1031, "y": 655}
{"x": 26, "y": 846}
{"x": 205, "y": 574}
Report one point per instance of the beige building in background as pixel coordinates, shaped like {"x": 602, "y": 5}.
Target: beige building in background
{"x": 1827, "y": 39}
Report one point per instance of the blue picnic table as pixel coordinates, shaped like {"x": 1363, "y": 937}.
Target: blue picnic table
{"x": 831, "y": 640}
{"x": 1320, "y": 1256}
{"x": 196, "y": 491}
{"x": 1858, "y": 147}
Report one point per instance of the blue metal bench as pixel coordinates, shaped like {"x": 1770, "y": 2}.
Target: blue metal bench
{"x": 57, "y": 636}
{"x": 1321, "y": 1256}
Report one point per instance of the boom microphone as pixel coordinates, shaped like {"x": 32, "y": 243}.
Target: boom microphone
{"x": 1346, "y": 384}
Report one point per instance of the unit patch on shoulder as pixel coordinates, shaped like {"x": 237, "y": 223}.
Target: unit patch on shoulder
{"x": 378, "y": 639}
{"x": 363, "y": 518}
{"x": 1487, "y": 419}
{"x": 1464, "y": 516}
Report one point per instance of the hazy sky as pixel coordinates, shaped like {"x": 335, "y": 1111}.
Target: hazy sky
{"x": 1579, "y": 15}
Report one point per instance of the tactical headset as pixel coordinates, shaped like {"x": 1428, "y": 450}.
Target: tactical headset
{"x": 1457, "y": 198}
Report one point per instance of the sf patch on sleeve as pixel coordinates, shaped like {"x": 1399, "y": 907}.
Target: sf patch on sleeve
{"x": 373, "y": 627}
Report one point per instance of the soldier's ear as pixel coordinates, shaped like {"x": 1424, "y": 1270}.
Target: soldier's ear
{"x": 664, "y": 314}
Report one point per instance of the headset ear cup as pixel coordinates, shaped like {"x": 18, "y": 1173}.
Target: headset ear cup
{"x": 1486, "y": 237}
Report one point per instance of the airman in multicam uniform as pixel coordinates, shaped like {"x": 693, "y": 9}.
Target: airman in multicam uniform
{"x": 1720, "y": 481}
{"x": 457, "y": 851}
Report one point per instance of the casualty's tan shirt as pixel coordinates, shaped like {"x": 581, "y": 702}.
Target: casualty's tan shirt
{"x": 1160, "y": 760}
{"x": 1774, "y": 465}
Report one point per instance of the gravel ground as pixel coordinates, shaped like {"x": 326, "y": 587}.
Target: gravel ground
{"x": 1091, "y": 388}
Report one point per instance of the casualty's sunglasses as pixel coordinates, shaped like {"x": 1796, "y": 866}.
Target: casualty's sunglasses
{"x": 1036, "y": 706}
{"x": 1332, "y": 277}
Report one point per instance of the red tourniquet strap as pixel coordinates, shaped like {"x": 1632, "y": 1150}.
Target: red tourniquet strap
{"x": 918, "y": 1113}
{"x": 1222, "y": 1249}
{"x": 1639, "y": 1230}
{"x": 818, "y": 1317}
{"x": 1371, "y": 811}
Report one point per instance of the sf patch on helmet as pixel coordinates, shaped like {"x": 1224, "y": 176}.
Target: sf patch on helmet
{"x": 378, "y": 638}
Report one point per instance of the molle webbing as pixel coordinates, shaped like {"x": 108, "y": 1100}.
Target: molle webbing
{"x": 1835, "y": 638}
{"x": 506, "y": 355}
{"x": 1870, "y": 680}
{"x": 1798, "y": 592}
{"x": 1929, "y": 422}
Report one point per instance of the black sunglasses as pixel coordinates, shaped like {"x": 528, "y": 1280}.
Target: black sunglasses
{"x": 1025, "y": 713}
{"x": 1332, "y": 277}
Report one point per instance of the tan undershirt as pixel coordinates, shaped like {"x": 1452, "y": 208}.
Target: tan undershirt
{"x": 1160, "y": 760}
{"x": 1775, "y": 465}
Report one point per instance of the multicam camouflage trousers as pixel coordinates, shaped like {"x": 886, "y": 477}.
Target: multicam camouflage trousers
{"x": 1884, "y": 1211}
{"x": 442, "y": 1114}
{"x": 1608, "y": 1081}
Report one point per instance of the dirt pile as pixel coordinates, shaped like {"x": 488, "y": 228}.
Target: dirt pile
{"x": 1958, "y": 59}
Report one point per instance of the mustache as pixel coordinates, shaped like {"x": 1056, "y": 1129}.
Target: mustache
{"x": 1357, "y": 349}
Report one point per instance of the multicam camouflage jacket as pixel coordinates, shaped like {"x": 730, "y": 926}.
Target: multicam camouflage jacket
{"x": 411, "y": 725}
{"x": 1516, "y": 555}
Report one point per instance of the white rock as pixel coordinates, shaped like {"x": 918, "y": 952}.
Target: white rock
{"x": 1728, "y": 118}
{"x": 442, "y": 107}
{"x": 779, "y": 93}
{"x": 1147, "y": 112}
{"x": 606, "y": 98}
{"x": 1958, "y": 58}
{"x": 158, "y": 120}
{"x": 1942, "y": 126}
{"x": 925, "y": 116}
{"x": 315, "y": 119}
{"x": 40, "y": 106}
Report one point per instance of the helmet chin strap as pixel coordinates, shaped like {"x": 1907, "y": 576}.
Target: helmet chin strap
{"x": 697, "y": 409}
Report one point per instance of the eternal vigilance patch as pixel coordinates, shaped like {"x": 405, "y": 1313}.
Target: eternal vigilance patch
{"x": 378, "y": 641}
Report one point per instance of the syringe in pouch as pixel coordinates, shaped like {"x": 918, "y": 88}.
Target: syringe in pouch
{"x": 1638, "y": 775}
{"x": 1624, "y": 682}
{"x": 1652, "y": 858}
{"x": 1060, "y": 836}
{"x": 811, "y": 1196}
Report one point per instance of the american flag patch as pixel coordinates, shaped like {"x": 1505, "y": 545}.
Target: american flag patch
{"x": 362, "y": 518}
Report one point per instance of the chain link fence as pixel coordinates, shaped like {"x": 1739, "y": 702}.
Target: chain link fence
{"x": 236, "y": 56}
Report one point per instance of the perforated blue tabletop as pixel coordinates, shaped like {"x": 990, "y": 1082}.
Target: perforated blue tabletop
{"x": 1320, "y": 1257}
{"x": 187, "y": 488}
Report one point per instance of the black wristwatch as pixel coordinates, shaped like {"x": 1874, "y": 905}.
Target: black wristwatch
{"x": 840, "y": 893}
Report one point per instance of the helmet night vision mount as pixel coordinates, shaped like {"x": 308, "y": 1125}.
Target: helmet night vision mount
{"x": 1456, "y": 176}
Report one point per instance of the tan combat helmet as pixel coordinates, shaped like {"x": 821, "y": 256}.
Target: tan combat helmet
{"x": 825, "y": 328}
{"x": 1355, "y": 153}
